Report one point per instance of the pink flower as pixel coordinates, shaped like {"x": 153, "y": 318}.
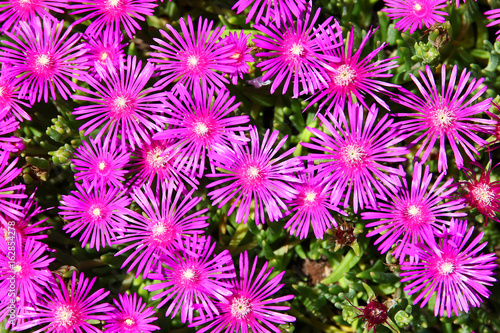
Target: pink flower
{"x": 452, "y": 270}
{"x": 8, "y": 142}
{"x": 193, "y": 57}
{"x": 446, "y": 114}
{"x": 413, "y": 14}
{"x": 44, "y": 58}
{"x": 12, "y": 12}
{"x": 250, "y": 305}
{"x": 240, "y": 52}
{"x": 10, "y": 103}
{"x": 275, "y": 11}
{"x": 102, "y": 48}
{"x": 254, "y": 173}
{"x": 193, "y": 276}
{"x": 130, "y": 316}
{"x": 8, "y": 191}
{"x": 112, "y": 14}
{"x": 493, "y": 14}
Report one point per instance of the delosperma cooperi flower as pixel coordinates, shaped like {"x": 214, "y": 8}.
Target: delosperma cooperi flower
{"x": 14, "y": 11}
{"x": 9, "y": 142}
{"x": 355, "y": 153}
{"x": 445, "y": 115}
{"x": 240, "y": 53}
{"x": 450, "y": 268}
{"x": 45, "y": 58}
{"x": 413, "y": 213}
{"x": 254, "y": 173}
{"x": 8, "y": 191}
{"x": 193, "y": 277}
{"x": 10, "y": 102}
{"x": 271, "y": 11}
{"x": 130, "y": 316}
{"x": 414, "y": 14}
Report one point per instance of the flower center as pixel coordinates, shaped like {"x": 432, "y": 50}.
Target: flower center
{"x": 122, "y": 106}
{"x": 310, "y": 196}
{"x": 419, "y": 9}
{"x": 112, "y": 3}
{"x": 163, "y": 233}
{"x": 18, "y": 268}
{"x": 353, "y": 154}
{"x": 414, "y": 215}
{"x": 102, "y": 166}
{"x": 156, "y": 158}
{"x": 129, "y": 322}
{"x": 200, "y": 128}
{"x": 443, "y": 118}
{"x": 483, "y": 194}
{"x": 64, "y": 316}
{"x": 345, "y": 76}
{"x": 297, "y": 49}
{"x": 193, "y": 61}
{"x": 237, "y": 55}
{"x": 240, "y": 307}
{"x": 42, "y": 63}
{"x": 446, "y": 267}
{"x": 96, "y": 212}
{"x": 104, "y": 56}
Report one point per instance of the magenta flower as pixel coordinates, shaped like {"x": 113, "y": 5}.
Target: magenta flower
{"x": 8, "y": 191}
{"x": 414, "y": 213}
{"x": 493, "y": 14}
{"x": 482, "y": 194}
{"x": 297, "y": 51}
{"x": 193, "y": 277}
{"x": 101, "y": 163}
{"x": 271, "y": 11}
{"x": 193, "y": 57}
{"x": 240, "y": 53}
{"x": 158, "y": 160}
{"x": 8, "y": 142}
{"x": 10, "y": 103}
{"x": 446, "y": 115}
{"x": 121, "y": 104}
{"x": 353, "y": 76}
{"x": 250, "y": 305}
{"x": 167, "y": 218}
{"x": 130, "y": 316}
{"x": 452, "y": 270}
{"x": 200, "y": 123}
{"x": 311, "y": 206}
{"x": 414, "y": 14}
{"x": 26, "y": 265}
{"x": 355, "y": 153}
{"x": 254, "y": 173}
{"x": 63, "y": 310}
{"x": 97, "y": 213}
{"x": 44, "y": 58}
{"x": 103, "y": 48}
{"x": 112, "y": 14}
{"x": 14, "y": 11}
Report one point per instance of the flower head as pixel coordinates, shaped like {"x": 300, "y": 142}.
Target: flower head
{"x": 414, "y": 14}
{"x": 167, "y": 218}
{"x": 452, "y": 269}
{"x": 414, "y": 213}
{"x": 296, "y": 50}
{"x": 60, "y": 310}
{"x": 8, "y": 142}
{"x": 250, "y": 305}
{"x": 112, "y": 14}
{"x": 97, "y": 213}
{"x": 353, "y": 76}
{"x": 193, "y": 57}
{"x": 445, "y": 116}
{"x": 352, "y": 155}
{"x": 240, "y": 52}
{"x": 254, "y": 173}
{"x": 14, "y": 11}
{"x": 8, "y": 191}
{"x": 130, "y": 316}
{"x": 10, "y": 103}
{"x": 103, "y": 48}
{"x": 44, "y": 58}
{"x": 101, "y": 163}
{"x": 193, "y": 276}
{"x": 200, "y": 123}
{"x": 270, "y": 11}
{"x": 121, "y": 104}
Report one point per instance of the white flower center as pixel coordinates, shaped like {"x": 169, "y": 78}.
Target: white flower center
{"x": 192, "y": 61}
{"x": 297, "y": 49}
{"x": 96, "y": 212}
{"x": 446, "y": 268}
{"x": 120, "y": 102}
{"x": 129, "y": 322}
{"x": 240, "y": 307}
{"x": 43, "y": 60}
{"x": 64, "y": 316}
{"x": 253, "y": 172}
{"x": 18, "y": 268}
{"x": 345, "y": 76}
{"x": 104, "y": 56}
{"x": 102, "y": 166}
{"x": 113, "y": 3}
{"x": 200, "y": 128}
{"x": 310, "y": 196}
{"x": 155, "y": 159}
{"x": 417, "y": 7}
{"x": 443, "y": 117}
{"x": 353, "y": 154}
{"x": 413, "y": 211}
{"x": 483, "y": 194}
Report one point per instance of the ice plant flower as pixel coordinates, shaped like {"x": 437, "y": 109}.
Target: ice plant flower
{"x": 101, "y": 163}
{"x": 158, "y": 161}
{"x": 311, "y": 206}
{"x": 167, "y": 218}
{"x": 28, "y": 269}
{"x": 121, "y": 105}
{"x": 14, "y": 11}
{"x": 254, "y": 173}
{"x": 414, "y": 213}
{"x": 98, "y": 213}
{"x": 8, "y": 142}
{"x": 445, "y": 115}
{"x": 240, "y": 52}
{"x": 452, "y": 269}
{"x": 130, "y": 316}
{"x": 193, "y": 276}
{"x": 194, "y": 57}
{"x": 44, "y": 58}
{"x": 112, "y": 14}
{"x": 354, "y": 155}
{"x": 353, "y": 76}
{"x": 8, "y": 191}
{"x": 482, "y": 194}
{"x": 10, "y": 103}
{"x": 250, "y": 306}
{"x": 199, "y": 123}
{"x": 271, "y": 11}
{"x": 62, "y": 310}
{"x": 102, "y": 48}
{"x": 414, "y": 14}
{"x": 296, "y": 50}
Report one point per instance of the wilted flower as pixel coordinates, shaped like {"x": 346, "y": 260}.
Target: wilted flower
{"x": 130, "y": 316}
